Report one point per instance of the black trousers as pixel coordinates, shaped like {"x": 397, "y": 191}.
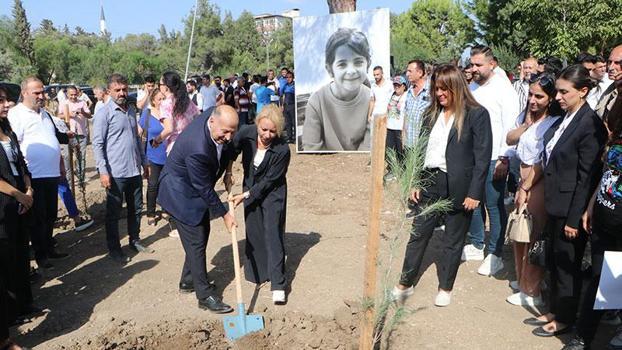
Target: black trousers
{"x": 130, "y": 188}
{"x": 45, "y": 206}
{"x": 601, "y": 240}
{"x": 290, "y": 121}
{"x": 394, "y": 142}
{"x": 194, "y": 240}
{"x": 457, "y": 223}
{"x": 566, "y": 277}
{"x": 5, "y": 267}
{"x": 152, "y": 187}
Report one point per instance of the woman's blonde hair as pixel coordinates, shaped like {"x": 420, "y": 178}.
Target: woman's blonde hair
{"x": 273, "y": 113}
{"x": 450, "y": 77}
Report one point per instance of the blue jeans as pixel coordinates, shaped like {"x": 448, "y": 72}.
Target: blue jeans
{"x": 67, "y": 197}
{"x": 495, "y": 190}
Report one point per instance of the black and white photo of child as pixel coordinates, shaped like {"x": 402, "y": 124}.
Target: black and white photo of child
{"x": 336, "y": 114}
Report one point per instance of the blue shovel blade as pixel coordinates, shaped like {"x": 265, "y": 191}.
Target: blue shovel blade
{"x": 237, "y": 326}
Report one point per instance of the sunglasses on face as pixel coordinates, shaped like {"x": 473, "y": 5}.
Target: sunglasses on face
{"x": 543, "y": 79}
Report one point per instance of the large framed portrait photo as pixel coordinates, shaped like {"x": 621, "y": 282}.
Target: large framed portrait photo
{"x": 334, "y": 57}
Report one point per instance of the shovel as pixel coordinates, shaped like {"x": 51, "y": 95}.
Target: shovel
{"x": 239, "y": 325}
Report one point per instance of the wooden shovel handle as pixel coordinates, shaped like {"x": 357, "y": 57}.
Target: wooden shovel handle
{"x": 236, "y": 256}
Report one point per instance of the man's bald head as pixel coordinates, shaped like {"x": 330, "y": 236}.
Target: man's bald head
{"x": 530, "y": 67}
{"x": 223, "y": 123}
{"x": 614, "y": 64}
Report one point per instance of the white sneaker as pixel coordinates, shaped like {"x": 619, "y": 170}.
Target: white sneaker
{"x": 491, "y": 265}
{"x": 174, "y": 233}
{"x": 471, "y": 253}
{"x": 514, "y": 285}
{"x": 400, "y": 295}
{"x": 278, "y": 296}
{"x": 522, "y": 299}
{"x": 443, "y": 298}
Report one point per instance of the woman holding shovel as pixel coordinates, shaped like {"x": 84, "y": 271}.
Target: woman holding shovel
{"x": 457, "y": 157}
{"x": 265, "y": 158}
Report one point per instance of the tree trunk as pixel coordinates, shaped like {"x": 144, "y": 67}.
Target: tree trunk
{"x": 339, "y": 6}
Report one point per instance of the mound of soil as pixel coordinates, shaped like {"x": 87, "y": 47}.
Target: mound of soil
{"x": 290, "y": 330}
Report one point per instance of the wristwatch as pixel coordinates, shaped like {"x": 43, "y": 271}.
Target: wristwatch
{"x": 504, "y": 160}
{"x": 247, "y": 195}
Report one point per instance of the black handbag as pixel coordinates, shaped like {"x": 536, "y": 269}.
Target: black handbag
{"x": 539, "y": 253}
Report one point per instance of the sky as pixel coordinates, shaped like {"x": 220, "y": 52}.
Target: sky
{"x": 145, "y": 16}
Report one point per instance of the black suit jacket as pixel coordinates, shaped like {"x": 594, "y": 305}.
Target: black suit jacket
{"x": 572, "y": 172}
{"x": 192, "y": 169}
{"x": 468, "y": 159}
{"x": 269, "y": 177}
{"x": 8, "y": 204}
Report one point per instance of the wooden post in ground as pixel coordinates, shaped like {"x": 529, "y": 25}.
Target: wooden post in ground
{"x": 366, "y": 341}
{"x": 70, "y": 152}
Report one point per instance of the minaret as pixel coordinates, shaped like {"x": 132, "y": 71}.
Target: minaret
{"x": 102, "y": 21}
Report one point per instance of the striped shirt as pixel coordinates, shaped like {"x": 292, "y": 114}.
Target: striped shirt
{"x": 522, "y": 90}
{"x": 413, "y": 112}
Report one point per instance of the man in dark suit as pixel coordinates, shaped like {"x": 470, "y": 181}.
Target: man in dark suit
{"x": 186, "y": 191}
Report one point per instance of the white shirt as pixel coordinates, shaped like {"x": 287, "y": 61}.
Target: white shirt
{"x": 531, "y": 143}
{"x": 594, "y": 96}
{"x": 437, "y": 143}
{"x": 501, "y": 73}
{"x": 252, "y": 89}
{"x": 140, "y": 94}
{"x": 10, "y": 156}
{"x": 259, "y": 156}
{"x": 382, "y": 95}
{"x": 558, "y": 134}
{"x": 37, "y": 139}
{"x": 199, "y": 98}
{"x": 501, "y": 101}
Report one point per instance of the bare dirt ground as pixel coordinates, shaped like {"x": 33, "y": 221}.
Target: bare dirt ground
{"x": 97, "y": 304}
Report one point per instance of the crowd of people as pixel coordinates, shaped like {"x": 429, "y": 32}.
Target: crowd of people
{"x": 43, "y": 131}
{"x": 549, "y": 139}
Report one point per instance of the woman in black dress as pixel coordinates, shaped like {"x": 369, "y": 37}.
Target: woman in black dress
{"x": 265, "y": 158}
{"x": 15, "y": 200}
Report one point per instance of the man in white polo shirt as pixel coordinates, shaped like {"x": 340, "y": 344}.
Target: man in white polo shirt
{"x": 381, "y": 92}
{"x": 499, "y": 98}
{"x": 36, "y": 135}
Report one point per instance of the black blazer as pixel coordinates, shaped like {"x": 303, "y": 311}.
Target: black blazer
{"x": 572, "y": 172}
{"x": 270, "y": 175}
{"x": 468, "y": 160}
{"x": 191, "y": 171}
{"x": 8, "y": 204}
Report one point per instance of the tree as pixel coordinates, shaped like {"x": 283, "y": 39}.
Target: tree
{"x": 338, "y": 6}
{"x": 47, "y": 26}
{"x": 283, "y": 51}
{"x": 22, "y": 27}
{"x": 499, "y": 24}
{"x": 432, "y": 30}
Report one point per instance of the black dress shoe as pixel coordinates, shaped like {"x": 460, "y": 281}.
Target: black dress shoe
{"x": 577, "y": 343}
{"x": 533, "y": 321}
{"x": 44, "y": 264}
{"x": 215, "y": 305}
{"x": 119, "y": 257}
{"x": 541, "y": 332}
{"x": 186, "y": 287}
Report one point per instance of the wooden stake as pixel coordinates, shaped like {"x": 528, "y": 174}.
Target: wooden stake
{"x": 70, "y": 151}
{"x": 373, "y": 238}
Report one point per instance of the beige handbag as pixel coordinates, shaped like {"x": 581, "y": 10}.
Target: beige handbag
{"x": 520, "y": 225}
